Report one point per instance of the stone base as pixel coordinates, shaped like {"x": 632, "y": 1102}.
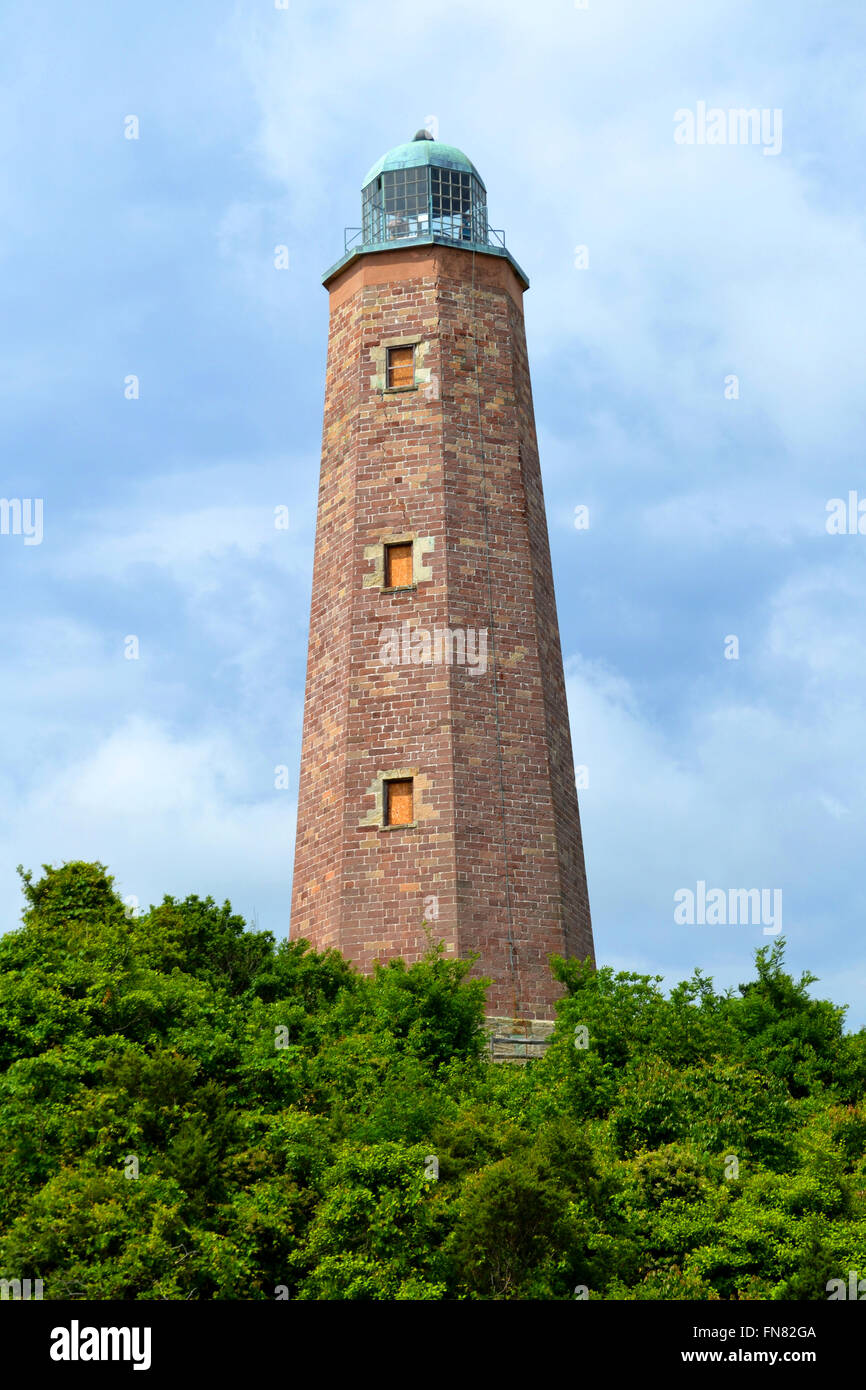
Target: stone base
{"x": 518, "y": 1039}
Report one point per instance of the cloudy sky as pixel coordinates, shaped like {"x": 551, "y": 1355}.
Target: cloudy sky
{"x": 154, "y": 258}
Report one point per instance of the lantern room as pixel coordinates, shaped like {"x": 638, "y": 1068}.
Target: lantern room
{"x": 424, "y": 189}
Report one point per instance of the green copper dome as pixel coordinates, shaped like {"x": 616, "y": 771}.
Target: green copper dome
{"x": 419, "y": 152}
{"x": 427, "y": 193}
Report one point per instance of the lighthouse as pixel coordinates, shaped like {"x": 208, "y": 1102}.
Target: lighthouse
{"x": 437, "y": 791}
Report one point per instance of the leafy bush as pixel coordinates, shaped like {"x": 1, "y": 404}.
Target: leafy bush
{"x": 189, "y": 1110}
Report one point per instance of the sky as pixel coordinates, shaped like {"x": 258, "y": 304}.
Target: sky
{"x": 696, "y": 324}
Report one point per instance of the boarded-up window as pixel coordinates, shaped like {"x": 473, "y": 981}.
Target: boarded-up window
{"x": 398, "y": 803}
{"x": 398, "y": 565}
{"x": 401, "y": 367}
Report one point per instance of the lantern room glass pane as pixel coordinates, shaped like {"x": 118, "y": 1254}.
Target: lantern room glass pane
{"x": 402, "y": 204}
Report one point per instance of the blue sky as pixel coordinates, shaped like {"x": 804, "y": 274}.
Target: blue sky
{"x": 155, "y": 257}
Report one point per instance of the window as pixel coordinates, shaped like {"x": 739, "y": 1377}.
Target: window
{"x": 424, "y": 201}
{"x": 398, "y": 565}
{"x": 458, "y": 205}
{"x": 401, "y": 367}
{"x": 403, "y": 195}
{"x": 398, "y": 802}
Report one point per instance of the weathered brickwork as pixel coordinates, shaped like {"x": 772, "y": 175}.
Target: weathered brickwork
{"x": 452, "y": 464}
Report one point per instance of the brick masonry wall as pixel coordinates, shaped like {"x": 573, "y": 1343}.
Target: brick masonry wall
{"x": 496, "y": 840}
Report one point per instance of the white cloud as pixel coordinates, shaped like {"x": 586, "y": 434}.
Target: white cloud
{"x": 167, "y": 815}
{"x": 743, "y": 792}
{"x": 703, "y": 262}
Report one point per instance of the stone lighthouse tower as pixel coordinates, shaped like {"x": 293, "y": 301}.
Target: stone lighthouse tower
{"x": 437, "y": 783}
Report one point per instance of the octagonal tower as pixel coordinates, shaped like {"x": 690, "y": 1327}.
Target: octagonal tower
{"x": 437, "y": 791}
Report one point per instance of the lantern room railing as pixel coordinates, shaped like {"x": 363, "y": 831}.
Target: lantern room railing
{"x": 353, "y": 238}
{"x": 424, "y": 203}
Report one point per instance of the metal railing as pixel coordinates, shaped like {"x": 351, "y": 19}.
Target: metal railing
{"x": 354, "y": 237}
